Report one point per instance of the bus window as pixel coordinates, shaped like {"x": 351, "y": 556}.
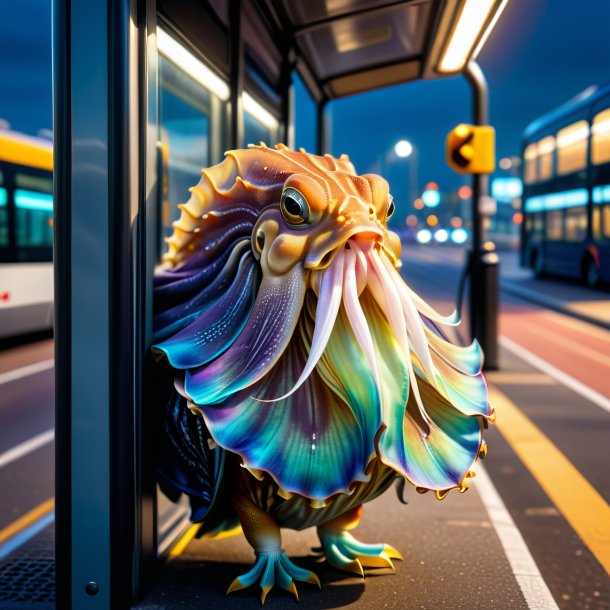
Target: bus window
{"x": 546, "y": 147}
{"x": 576, "y": 224}
{"x": 600, "y": 138}
{"x": 554, "y": 225}
{"x": 606, "y": 221}
{"x": 530, "y": 172}
{"x": 34, "y": 215}
{"x": 534, "y": 226}
{"x": 3, "y": 213}
{"x": 572, "y": 147}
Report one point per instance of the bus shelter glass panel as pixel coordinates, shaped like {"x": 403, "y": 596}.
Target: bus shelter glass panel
{"x": 184, "y": 137}
{"x": 572, "y": 147}
{"x": 191, "y": 116}
{"x": 600, "y": 138}
{"x": 259, "y": 124}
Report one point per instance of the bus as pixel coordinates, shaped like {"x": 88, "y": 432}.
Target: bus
{"x": 26, "y": 234}
{"x": 566, "y": 190}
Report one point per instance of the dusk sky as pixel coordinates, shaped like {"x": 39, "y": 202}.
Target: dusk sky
{"x": 542, "y": 53}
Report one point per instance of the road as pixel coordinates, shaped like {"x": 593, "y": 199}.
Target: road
{"x": 529, "y": 534}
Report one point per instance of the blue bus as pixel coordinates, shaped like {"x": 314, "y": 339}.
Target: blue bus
{"x": 566, "y": 190}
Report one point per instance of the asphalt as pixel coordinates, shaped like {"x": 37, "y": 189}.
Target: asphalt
{"x": 453, "y": 556}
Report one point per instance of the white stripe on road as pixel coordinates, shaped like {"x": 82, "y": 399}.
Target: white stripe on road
{"x": 26, "y": 447}
{"x": 25, "y": 371}
{"x": 527, "y": 575}
{"x": 561, "y": 376}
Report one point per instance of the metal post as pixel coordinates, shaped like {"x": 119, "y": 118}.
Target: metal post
{"x": 236, "y": 76}
{"x": 483, "y": 262}
{"x": 322, "y": 140}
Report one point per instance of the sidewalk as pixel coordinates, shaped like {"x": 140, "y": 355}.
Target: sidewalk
{"x": 453, "y": 558}
{"x": 565, "y": 296}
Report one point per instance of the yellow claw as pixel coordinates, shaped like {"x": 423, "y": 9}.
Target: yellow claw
{"x": 314, "y": 580}
{"x": 264, "y": 592}
{"x": 235, "y": 586}
{"x": 391, "y": 552}
{"x": 293, "y": 590}
{"x": 377, "y": 561}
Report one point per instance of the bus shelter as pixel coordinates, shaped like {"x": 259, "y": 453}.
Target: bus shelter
{"x": 146, "y": 93}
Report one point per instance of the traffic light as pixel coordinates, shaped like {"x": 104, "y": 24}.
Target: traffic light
{"x": 470, "y": 149}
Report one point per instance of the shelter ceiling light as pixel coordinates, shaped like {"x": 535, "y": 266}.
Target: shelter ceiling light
{"x": 251, "y": 106}
{"x": 473, "y": 25}
{"x": 188, "y": 63}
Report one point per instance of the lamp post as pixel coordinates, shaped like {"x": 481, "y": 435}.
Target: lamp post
{"x": 403, "y": 149}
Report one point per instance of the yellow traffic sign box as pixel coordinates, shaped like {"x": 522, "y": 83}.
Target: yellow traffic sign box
{"x": 471, "y": 149}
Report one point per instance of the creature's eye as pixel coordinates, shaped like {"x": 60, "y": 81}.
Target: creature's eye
{"x": 294, "y": 206}
{"x": 391, "y": 207}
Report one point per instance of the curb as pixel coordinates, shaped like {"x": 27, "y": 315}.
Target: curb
{"x": 551, "y": 303}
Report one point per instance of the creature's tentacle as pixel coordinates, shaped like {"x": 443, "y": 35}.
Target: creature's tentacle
{"x": 272, "y": 565}
{"x": 347, "y": 553}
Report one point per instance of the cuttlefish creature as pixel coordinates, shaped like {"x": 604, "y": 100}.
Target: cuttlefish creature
{"x": 307, "y": 376}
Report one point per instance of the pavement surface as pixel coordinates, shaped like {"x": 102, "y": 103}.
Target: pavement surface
{"x": 532, "y": 522}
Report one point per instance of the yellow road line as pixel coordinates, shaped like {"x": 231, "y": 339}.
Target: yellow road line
{"x": 183, "y": 542}
{"x": 26, "y": 520}
{"x": 581, "y": 505}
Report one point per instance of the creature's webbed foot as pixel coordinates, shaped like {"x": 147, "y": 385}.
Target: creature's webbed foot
{"x": 344, "y": 552}
{"x": 271, "y": 568}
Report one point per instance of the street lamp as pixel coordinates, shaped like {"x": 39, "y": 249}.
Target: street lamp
{"x": 403, "y": 149}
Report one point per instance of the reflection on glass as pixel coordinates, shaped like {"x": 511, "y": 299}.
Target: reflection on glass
{"x": 255, "y": 131}
{"x": 184, "y": 134}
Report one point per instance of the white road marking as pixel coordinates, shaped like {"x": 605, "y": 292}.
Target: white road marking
{"x": 523, "y": 566}
{"x": 26, "y": 447}
{"x": 25, "y": 371}
{"x": 561, "y": 376}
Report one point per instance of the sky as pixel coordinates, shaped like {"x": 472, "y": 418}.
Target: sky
{"x": 541, "y": 53}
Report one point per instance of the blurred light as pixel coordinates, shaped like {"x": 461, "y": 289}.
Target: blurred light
{"x": 431, "y": 186}
{"x": 601, "y": 194}
{"x": 600, "y": 127}
{"x": 432, "y": 220}
{"x": 506, "y": 189}
{"x": 517, "y": 218}
{"x": 411, "y": 220}
{"x": 456, "y": 222}
{"x": 557, "y": 201}
{"x": 431, "y": 198}
{"x": 418, "y": 204}
{"x": 470, "y": 23}
{"x": 465, "y": 192}
{"x": 505, "y": 163}
{"x": 251, "y": 106}
{"x": 32, "y": 200}
{"x": 403, "y": 148}
{"x": 573, "y": 134}
{"x": 459, "y": 236}
{"x": 3, "y": 196}
{"x": 187, "y": 62}
{"x": 424, "y": 236}
{"x": 441, "y": 236}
